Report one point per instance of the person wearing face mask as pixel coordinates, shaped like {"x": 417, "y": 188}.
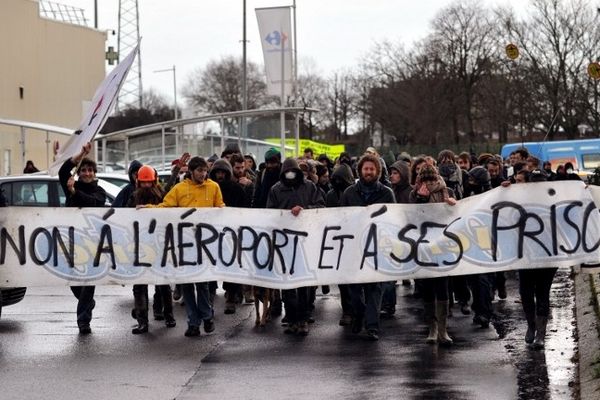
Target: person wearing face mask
{"x": 431, "y": 188}
{"x": 294, "y": 192}
{"x": 366, "y": 297}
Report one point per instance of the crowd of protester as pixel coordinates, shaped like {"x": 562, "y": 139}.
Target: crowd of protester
{"x": 238, "y": 180}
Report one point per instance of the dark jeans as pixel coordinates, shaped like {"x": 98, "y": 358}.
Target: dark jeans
{"x": 163, "y": 300}
{"x": 482, "y": 286}
{"x": 458, "y": 286}
{"x": 197, "y": 302}
{"x": 388, "y": 300}
{"x": 534, "y": 288}
{"x": 434, "y": 289}
{"x": 296, "y": 303}
{"x": 366, "y": 303}
{"x": 346, "y": 299}
{"x": 85, "y": 303}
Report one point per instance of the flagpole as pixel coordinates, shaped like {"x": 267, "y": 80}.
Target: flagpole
{"x": 282, "y": 115}
{"x": 297, "y": 122}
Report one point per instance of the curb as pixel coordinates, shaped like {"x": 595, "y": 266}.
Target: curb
{"x": 588, "y": 325}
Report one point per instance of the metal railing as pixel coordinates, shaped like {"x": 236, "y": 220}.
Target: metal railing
{"x": 156, "y": 144}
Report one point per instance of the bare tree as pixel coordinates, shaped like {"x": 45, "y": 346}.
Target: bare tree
{"x": 464, "y": 39}
{"x": 217, "y": 88}
{"x": 557, "y": 42}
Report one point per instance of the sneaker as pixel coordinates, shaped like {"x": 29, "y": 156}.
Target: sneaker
{"x": 141, "y": 328}
{"x": 465, "y": 309}
{"x": 192, "y": 331}
{"x": 209, "y": 325}
{"x": 373, "y": 335}
{"x": 170, "y": 321}
{"x": 177, "y": 293}
{"x": 502, "y": 293}
{"x": 84, "y": 329}
{"x": 230, "y": 308}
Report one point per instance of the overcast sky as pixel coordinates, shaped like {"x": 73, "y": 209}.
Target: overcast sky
{"x": 333, "y": 33}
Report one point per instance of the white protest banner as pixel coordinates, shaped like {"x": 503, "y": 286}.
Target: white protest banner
{"x": 102, "y": 104}
{"x": 275, "y": 29}
{"x": 535, "y": 225}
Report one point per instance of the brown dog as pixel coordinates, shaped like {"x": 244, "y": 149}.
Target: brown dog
{"x": 264, "y": 296}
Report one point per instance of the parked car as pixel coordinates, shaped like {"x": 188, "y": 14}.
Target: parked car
{"x": 117, "y": 179}
{"x": 37, "y": 190}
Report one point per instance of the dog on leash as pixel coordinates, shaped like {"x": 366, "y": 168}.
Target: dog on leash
{"x": 264, "y": 296}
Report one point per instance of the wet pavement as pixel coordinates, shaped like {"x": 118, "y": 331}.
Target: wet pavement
{"x": 41, "y": 356}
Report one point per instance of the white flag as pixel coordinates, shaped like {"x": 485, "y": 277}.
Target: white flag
{"x": 275, "y": 29}
{"x": 101, "y": 106}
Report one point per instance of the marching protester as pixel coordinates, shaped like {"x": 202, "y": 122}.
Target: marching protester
{"x": 83, "y": 192}
{"x": 341, "y": 179}
{"x": 148, "y": 192}
{"x": 400, "y": 180}
{"x": 431, "y": 188}
{"x": 294, "y": 192}
{"x": 196, "y": 191}
{"x": 535, "y": 284}
{"x": 366, "y": 297}
{"x": 233, "y": 196}
{"x": 265, "y": 180}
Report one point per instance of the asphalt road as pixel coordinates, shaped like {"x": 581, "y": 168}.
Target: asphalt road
{"x": 43, "y": 357}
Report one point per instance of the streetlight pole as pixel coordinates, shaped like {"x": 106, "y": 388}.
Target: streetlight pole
{"x": 174, "y": 86}
{"x": 176, "y": 114}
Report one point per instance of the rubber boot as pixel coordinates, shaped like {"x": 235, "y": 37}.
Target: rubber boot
{"x": 530, "y": 334}
{"x": 441, "y": 314}
{"x": 540, "y": 332}
{"x": 140, "y": 301}
{"x": 431, "y": 322}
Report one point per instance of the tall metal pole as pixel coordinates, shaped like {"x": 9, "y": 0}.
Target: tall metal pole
{"x": 295, "y": 66}
{"x": 96, "y": 14}
{"x": 175, "y": 91}
{"x": 281, "y": 99}
{"x": 244, "y": 73}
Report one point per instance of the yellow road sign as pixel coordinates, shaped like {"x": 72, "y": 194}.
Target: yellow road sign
{"x": 512, "y": 51}
{"x": 594, "y": 70}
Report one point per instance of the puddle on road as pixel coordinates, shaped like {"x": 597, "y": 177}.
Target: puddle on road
{"x": 551, "y": 373}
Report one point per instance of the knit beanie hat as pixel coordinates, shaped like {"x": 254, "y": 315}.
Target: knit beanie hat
{"x": 272, "y": 154}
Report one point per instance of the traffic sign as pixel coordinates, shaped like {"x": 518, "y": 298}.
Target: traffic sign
{"x": 512, "y": 51}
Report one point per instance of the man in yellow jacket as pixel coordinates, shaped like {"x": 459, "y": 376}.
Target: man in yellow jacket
{"x": 196, "y": 191}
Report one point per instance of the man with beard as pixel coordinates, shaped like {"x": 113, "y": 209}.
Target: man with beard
{"x": 148, "y": 192}
{"x": 233, "y": 196}
{"x": 196, "y": 191}
{"x": 265, "y": 180}
{"x": 494, "y": 168}
{"x": 368, "y": 190}
{"x": 242, "y": 177}
{"x": 294, "y": 192}
{"x": 84, "y": 192}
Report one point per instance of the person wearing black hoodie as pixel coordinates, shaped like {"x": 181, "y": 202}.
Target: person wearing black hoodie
{"x": 125, "y": 194}
{"x": 233, "y": 196}
{"x": 84, "y": 192}
{"x": 341, "y": 179}
{"x": 265, "y": 179}
{"x": 294, "y": 192}
{"x": 368, "y": 190}
{"x": 400, "y": 180}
